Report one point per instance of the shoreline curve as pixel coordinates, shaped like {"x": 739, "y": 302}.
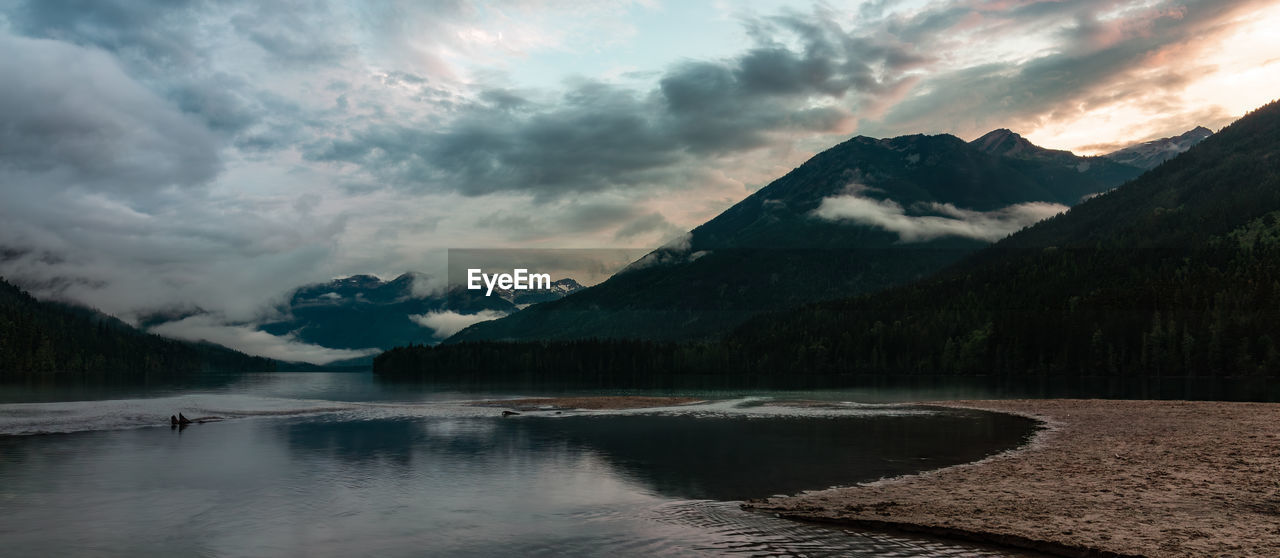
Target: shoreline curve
{"x": 1103, "y": 478}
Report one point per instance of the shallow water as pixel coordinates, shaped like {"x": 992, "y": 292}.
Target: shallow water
{"x": 336, "y": 464}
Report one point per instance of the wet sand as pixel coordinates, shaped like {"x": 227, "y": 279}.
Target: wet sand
{"x": 1103, "y": 478}
{"x": 587, "y": 403}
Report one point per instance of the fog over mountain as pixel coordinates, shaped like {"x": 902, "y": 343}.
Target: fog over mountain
{"x": 175, "y": 158}
{"x": 353, "y": 317}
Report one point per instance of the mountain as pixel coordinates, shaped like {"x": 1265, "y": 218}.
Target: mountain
{"x": 363, "y": 311}
{"x": 1004, "y": 141}
{"x": 525, "y": 297}
{"x": 1175, "y": 274}
{"x": 38, "y": 337}
{"x": 862, "y": 216}
{"x": 1062, "y": 171}
{"x": 1150, "y": 154}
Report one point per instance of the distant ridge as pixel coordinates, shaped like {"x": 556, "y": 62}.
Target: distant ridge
{"x": 363, "y": 311}
{"x": 1150, "y": 154}
{"x": 1006, "y": 143}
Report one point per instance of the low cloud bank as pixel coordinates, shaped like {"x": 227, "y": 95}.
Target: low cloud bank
{"x": 446, "y": 323}
{"x": 952, "y": 221}
{"x": 251, "y": 341}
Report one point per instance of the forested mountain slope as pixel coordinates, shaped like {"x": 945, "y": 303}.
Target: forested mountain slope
{"x": 41, "y": 337}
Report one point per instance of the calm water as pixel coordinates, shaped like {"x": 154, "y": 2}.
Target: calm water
{"x": 338, "y": 465}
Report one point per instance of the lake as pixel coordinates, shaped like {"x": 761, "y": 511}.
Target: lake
{"x": 333, "y": 464}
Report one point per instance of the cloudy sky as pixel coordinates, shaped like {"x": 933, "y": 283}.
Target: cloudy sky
{"x": 215, "y": 154}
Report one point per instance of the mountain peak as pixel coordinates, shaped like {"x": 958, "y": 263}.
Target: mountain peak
{"x": 1001, "y": 133}
{"x": 556, "y": 290}
{"x": 1003, "y": 141}
{"x": 1198, "y": 133}
{"x": 567, "y": 283}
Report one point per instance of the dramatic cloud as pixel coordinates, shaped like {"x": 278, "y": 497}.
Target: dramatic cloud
{"x": 598, "y": 136}
{"x": 1123, "y": 65}
{"x": 805, "y": 74}
{"x": 71, "y": 118}
{"x": 446, "y": 323}
{"x": 949, "y": 221}
{"x": 252, "y": 341}
{"x": 627, "y": 218}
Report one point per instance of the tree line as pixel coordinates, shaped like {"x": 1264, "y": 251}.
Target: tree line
{"x": 40, "y": 338}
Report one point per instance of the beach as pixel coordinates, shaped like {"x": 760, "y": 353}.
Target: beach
{"x": 1101, "y": 478}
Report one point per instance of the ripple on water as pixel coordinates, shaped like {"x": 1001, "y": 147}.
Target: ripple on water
{"x": 726, "y": 529}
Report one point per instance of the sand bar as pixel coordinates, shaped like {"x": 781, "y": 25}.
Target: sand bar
{"x": 1104, "y": 478}
{"x": 589, "y": 403}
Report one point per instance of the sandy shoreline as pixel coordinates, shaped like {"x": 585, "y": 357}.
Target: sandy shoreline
{"x": 587, "y": 403}
{"x": 1105, "y": 478}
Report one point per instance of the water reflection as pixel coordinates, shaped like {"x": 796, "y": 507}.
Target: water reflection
{"x": 465, "y": 486}
{"x": 683, "y": 456}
